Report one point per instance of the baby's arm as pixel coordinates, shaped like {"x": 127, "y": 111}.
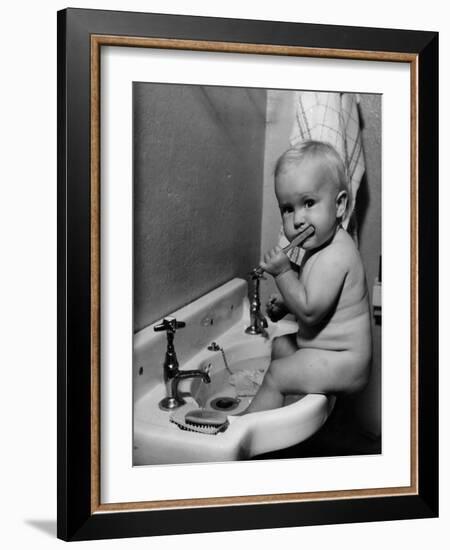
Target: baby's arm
{"x": 312, "y": 299}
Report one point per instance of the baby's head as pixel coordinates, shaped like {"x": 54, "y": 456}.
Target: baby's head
{"x": 311, "y": 188}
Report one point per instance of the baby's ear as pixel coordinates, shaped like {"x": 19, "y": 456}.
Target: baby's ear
{"x": 341, "y": 203}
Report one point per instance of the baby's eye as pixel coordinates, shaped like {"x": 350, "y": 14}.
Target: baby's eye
{"x": 309, "y": 203}
{"x": 286, "y": 210}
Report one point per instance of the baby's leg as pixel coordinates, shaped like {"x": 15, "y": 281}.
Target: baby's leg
{"x": 283, "y": 346}
{"x": 267, "y": 398}
{"x": 309, "y": 370}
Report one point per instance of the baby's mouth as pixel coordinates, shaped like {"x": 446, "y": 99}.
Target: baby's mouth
{"x": 303, "y": 236}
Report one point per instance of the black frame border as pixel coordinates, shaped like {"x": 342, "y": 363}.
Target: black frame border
{"x": 75, "y": 519}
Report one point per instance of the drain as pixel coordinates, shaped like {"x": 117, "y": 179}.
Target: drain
{"x": 224, "y": 403}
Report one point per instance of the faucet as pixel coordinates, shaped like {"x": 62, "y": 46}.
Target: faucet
{"x": 174, "y": 400}
{"x": 171, "y": 372}
{"x": 258, "y": 323}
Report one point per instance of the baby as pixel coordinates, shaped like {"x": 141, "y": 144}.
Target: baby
{"x": 331, "y": 352}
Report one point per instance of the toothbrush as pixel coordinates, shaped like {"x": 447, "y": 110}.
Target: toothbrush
{"x": 295, "y": 242}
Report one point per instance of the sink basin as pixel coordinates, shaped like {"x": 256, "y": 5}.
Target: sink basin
{"x": 159, "y": 441}
{"x": 232, "y": 392}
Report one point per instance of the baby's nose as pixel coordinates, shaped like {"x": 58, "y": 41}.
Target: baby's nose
{"x": 299, "y": 220}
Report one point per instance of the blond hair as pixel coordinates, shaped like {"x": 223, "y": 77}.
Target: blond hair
{"x": 321, "y": 150}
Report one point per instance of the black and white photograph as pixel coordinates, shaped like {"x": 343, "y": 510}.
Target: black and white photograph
{"x": 257, "y": 273}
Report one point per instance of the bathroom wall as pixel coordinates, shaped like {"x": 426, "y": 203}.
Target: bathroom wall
{"x": 198, "y": 169}
{"x": 280, "y": 116}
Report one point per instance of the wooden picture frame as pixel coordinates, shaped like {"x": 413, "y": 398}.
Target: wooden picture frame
{"x": 81, "y": 35}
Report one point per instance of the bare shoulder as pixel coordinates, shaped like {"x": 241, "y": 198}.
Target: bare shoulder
{"x": 344, "y": 245}
{"x": 340, "y": 253}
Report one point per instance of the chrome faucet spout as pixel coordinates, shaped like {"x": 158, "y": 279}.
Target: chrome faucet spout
{"x": 174, "y": 399}
{"x": 183, "y": 374}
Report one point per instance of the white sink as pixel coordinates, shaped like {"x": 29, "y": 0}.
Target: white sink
{"x": 159, "y": 441}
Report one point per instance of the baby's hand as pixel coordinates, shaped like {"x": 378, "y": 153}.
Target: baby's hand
{"x": 276, "y": 308}
{"x": 275, "y": 261}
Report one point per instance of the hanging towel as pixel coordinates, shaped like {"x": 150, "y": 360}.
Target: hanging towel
{"x": 332, "y": 118}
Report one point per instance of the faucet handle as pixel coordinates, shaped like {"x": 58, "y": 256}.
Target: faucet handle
{"x": 257, "y": 273}
{"x": 169, "y": 324}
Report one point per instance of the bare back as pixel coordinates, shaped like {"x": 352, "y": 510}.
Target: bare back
{"x": 347, "y": 325}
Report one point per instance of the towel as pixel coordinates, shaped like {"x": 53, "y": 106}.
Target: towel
{"x": 333, "y": 118}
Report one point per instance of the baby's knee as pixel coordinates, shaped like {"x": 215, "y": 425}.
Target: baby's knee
{"x": 277, "y": 347}
{"x": 282, "y": 346}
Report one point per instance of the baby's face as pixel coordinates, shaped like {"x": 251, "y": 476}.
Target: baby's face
{"x": 307, "y": 195}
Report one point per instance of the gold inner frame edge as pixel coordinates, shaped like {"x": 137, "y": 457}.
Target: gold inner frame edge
{"x": 263, "y": 49}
